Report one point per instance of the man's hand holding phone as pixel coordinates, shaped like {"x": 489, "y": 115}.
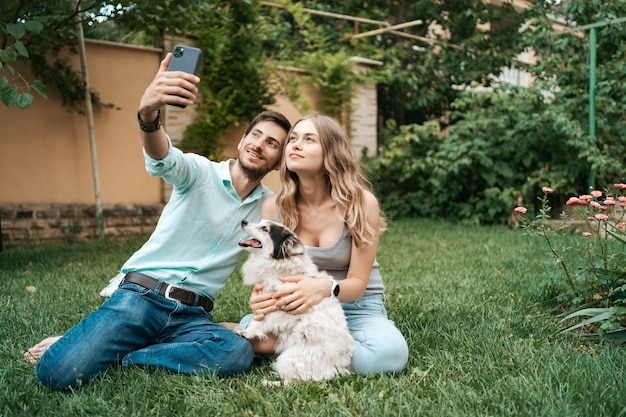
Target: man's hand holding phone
{"x": 186, "y": 59}
{"x": 168, "y": 87}
{"x": 175, "y": 87}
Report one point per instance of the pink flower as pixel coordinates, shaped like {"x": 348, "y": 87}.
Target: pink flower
{"x": 547, "y": 190}
{"x": 621, "y": 199}
{"x": 595, "y": 205}
{"x": 585, "y": 198}
{"x": 520, "y": 210}
{"x": 596, "y": 193}
{"x": 586, "y": 234}
{"x": 621, "y": 186}
{"x": 572, "y": 201}
{"x": 610, "y": 201}
{"x": 601, "y": 217}
{"x": 620, "y": 225}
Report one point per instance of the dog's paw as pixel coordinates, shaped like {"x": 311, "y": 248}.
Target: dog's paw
{"x": 272, "y": 384}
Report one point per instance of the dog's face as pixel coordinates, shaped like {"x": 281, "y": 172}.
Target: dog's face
{"x": 271, "y": 239}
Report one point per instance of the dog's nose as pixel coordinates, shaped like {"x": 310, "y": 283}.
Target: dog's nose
{"x": 244, "y": 222}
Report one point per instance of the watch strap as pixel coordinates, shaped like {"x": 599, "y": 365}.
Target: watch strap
{"x": 151, "y": 126}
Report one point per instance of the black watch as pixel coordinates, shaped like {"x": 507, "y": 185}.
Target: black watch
{"x": 335, "y": 288}
{"x": 152, "y": 126}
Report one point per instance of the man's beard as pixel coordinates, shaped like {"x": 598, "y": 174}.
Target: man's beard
{"x": 253, "y": 173}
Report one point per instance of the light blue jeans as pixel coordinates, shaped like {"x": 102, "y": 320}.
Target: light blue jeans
{"x": 378, "y": 344}
{"x": 137, "y": 326}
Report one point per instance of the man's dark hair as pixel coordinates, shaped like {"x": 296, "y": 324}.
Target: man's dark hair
{"x": 271, "y": 116}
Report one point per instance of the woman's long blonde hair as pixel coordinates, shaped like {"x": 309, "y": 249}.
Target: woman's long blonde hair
{"x": 345, "y": 177}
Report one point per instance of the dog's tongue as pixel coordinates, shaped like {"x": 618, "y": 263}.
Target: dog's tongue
{"x": 250, "y": 242}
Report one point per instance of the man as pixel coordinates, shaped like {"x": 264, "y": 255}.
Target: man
{"x": 160, "y": 314}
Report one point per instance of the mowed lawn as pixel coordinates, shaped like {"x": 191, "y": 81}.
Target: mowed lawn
{"x": 473, "y": 302}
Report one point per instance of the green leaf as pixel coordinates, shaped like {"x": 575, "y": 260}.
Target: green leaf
{"x": 591, "y": 312}
{"x": 21, "y": 49}
{"x": 17, "y": 30}
{"x": 8, "y": 56}
{"x": 24, "y": 100}
{"x": 617, "y": 237}
{"x": 603, "y": 316}
{"x": 41, "y": 88}
{"x": 7, "y": 94}
{"x": 617, "y": 336}
{"x": 33, "y": 26}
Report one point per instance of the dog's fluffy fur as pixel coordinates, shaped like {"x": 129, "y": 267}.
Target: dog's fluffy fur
{"x": 314, "y": 345}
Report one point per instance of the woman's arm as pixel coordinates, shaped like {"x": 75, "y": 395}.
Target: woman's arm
{"x": 308, "y": 292}
{"x": 362, "y": 259}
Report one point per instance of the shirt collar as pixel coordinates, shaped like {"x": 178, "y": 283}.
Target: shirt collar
{"x": 224, "y": 173}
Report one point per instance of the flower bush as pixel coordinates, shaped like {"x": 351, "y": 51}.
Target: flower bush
{"x": 593, "y": 296}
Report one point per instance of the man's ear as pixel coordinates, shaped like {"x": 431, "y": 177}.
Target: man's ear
{"x": 240, "y": 142}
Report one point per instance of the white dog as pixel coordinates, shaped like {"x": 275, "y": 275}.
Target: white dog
{"x": 314, "y": 345}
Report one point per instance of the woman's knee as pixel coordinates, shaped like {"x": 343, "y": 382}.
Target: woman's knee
{"x": 387, "y": 353}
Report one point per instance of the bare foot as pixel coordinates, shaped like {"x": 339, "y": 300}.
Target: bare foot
{"x": 34, "y": 353}
{"x": 231, "y": 326}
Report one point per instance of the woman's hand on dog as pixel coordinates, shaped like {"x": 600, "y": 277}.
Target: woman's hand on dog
{"x": 262, "y": 303}
{"x": 293, "y": 299}
{"x": 304, "y": 294}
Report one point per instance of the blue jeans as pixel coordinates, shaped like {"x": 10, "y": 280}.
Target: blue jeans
{"x": 137, "y": 326}
{"x": 378, "y": 344}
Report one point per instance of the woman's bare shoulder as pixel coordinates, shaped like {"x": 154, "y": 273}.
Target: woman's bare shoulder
{"x": 268, "y": 210}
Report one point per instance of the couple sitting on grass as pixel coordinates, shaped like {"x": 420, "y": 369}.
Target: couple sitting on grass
{"x": 160, "y": 315}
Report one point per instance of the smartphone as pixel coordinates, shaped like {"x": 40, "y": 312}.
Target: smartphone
{"x": 185, "y": 58}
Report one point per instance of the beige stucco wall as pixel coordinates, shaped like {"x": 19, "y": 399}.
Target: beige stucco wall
{"x": 45, "y": 154}
{"x": 46, "y": 178}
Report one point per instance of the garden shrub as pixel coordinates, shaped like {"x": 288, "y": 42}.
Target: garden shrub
{"x": 502, "y": 146}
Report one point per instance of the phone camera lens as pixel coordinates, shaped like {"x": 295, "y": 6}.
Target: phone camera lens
{"x": 178, "y": 52}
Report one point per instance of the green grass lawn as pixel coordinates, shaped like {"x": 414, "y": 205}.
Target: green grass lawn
{"x": 471, "y": 302}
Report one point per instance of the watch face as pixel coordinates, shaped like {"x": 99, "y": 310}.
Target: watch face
{"x": 336, "y": 290}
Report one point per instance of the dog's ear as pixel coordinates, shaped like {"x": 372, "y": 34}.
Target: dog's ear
{"x": 293, "y": 246}
{"x": 289, "y": 246}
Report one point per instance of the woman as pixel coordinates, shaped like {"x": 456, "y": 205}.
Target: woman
{"x": 327, "y": 201}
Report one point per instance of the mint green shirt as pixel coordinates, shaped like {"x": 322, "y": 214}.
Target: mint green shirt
{"x": 195, "y": 242}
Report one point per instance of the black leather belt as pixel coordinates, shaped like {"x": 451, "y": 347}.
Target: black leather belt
{"x": 171, "y": 292}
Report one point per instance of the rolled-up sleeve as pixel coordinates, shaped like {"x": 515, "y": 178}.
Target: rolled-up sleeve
{"x": 175, "y": 168}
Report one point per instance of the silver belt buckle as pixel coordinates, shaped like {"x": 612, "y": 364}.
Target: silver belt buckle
{"x": 169, "y": 289}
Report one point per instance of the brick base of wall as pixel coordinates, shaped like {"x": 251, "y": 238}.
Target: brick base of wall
{"x": 49, "y": 222}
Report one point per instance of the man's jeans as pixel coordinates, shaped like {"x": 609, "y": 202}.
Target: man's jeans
{"x": 137, "y": 326}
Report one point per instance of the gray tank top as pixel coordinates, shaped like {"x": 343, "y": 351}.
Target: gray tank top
{"x": 335, "y": 260}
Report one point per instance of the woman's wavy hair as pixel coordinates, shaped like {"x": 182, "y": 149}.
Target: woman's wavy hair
{"x": 344, "y": 175}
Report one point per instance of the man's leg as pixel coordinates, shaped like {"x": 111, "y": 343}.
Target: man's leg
{"x": 129, "y": 320}
{"x": 193, "y": 343}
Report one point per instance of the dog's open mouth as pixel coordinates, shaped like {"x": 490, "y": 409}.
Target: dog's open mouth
{"x": 245, "y": 243}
